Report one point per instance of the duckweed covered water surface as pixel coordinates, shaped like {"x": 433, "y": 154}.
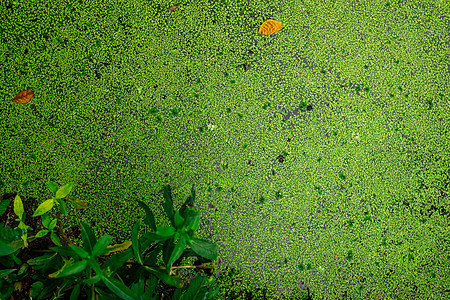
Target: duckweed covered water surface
{"x": 319, "y": 153}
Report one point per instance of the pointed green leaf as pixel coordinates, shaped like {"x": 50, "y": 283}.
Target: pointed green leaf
{"x": 42, "y": 233}
{"x": 3, "y": 206}
{"x": 64, "y": 251}
{"x": 72, "y": 269}
{"x": 64, "y": 209}
{"x": 153, "y": 237}
{"x": 135, "y": 241}
{"x": 18, "y": 207}
{"x": 64, "y": 191}
{"x": 16, "y": 245}
{"x": 168, "y": 204}
{"x": 96, "y": 266}
{"x": 179, "y": 220}
{"x": 5, "y": 249}
{"x": 165, "y": 231}
{"x": 116, "y": 261}
{"x": 75, "y": 292}
{"x": 42, "y": 260}
{"x": 92, "y": 280}
{"x": 149, "y": 217}
{"x": 44, "y": 207}
{"x": 120, "y": 289}
{"x": 204, "y": 248}
{"x": 3, "y": 273}
{"x": 55, "y": 239}
{"x": 52, "y": 224}
{"x": 46, "y": 219}
{"x": 193, "y": 223}
{"x": 79, "y": 251}
{"x": 177, "y": 251}
{"x": 101, "y": 246}
{"x": 88, "y": 237}
{"x": 36, "y": 289}
{"x": 194, "y": 289}
{"x": 171, "y": 280}
{"x": 53, "y": 187}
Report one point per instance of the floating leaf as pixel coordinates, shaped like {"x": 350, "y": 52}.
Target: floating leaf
{"x": 270, "y": 26}
{"x": 24, "y": 96}
{"x": 174, "y": 7}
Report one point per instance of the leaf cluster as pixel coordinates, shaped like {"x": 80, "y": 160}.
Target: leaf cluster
{"x": 99, "y": 270}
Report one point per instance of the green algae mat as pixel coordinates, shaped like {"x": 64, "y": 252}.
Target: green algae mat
{"x": 319, "y": 153}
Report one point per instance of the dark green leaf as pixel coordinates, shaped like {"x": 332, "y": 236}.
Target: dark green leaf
{"x": 79, "y": 251}
{"x": 23, "y": 268}
{"x": 64, "y": 190}
{"x": 117, "y": 261}
{"x": 149, "y": 217}
{"x": 73, "y": 269}
{"x": 75, "y": 292}
{"x": 171, "y": 280}
{"x": 177, "y": 251}
{"x": 36, "y": 289}
{"x": 139, "y": 287}
{"x": 101, "y": 246}
{"x": 204, "y": 248}
{"x": 93, "y": 280}
{"x": 168, "y": 247}
{"x": 165, "y": 231}
{"x": 194, "y": 288}
{"x": 3, "y": 206}
{"x": 152, "y": 283}
{"x": 168, "y": 204}
{"x": 16, "y": 245}
{"x": 193, "y": 223}
{"x": 3, "y": 273}
{"x": 88, "y": 237}
{"x": 64, "y": 209}
{"x": 64, "y": 251}
{"x": 118, "y": 288}
{"x": 53, "y": 187}
{"x": 46, "y": 219}
{"x": 135, "y": 241}
{"x": 42, "y": 260}
{"x": 96, "y": 266}
{"x": 55, "y": 239}
{"x": 153, "y": 237}
{"x": 5, "y": 249}
{"x": 179, "y": 220}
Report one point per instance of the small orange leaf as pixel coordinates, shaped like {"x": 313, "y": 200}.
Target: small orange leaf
{"x": 270, "y": 26}
{"x": 379, "y": 296}
{"x": 24, "y": 96}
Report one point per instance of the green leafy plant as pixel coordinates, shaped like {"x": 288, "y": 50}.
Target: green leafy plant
{"x": 99, "y": 270}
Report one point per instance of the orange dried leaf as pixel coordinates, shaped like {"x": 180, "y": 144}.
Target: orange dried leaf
{"x": 270, "y": 26}
{"x": 24, "y": 96}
